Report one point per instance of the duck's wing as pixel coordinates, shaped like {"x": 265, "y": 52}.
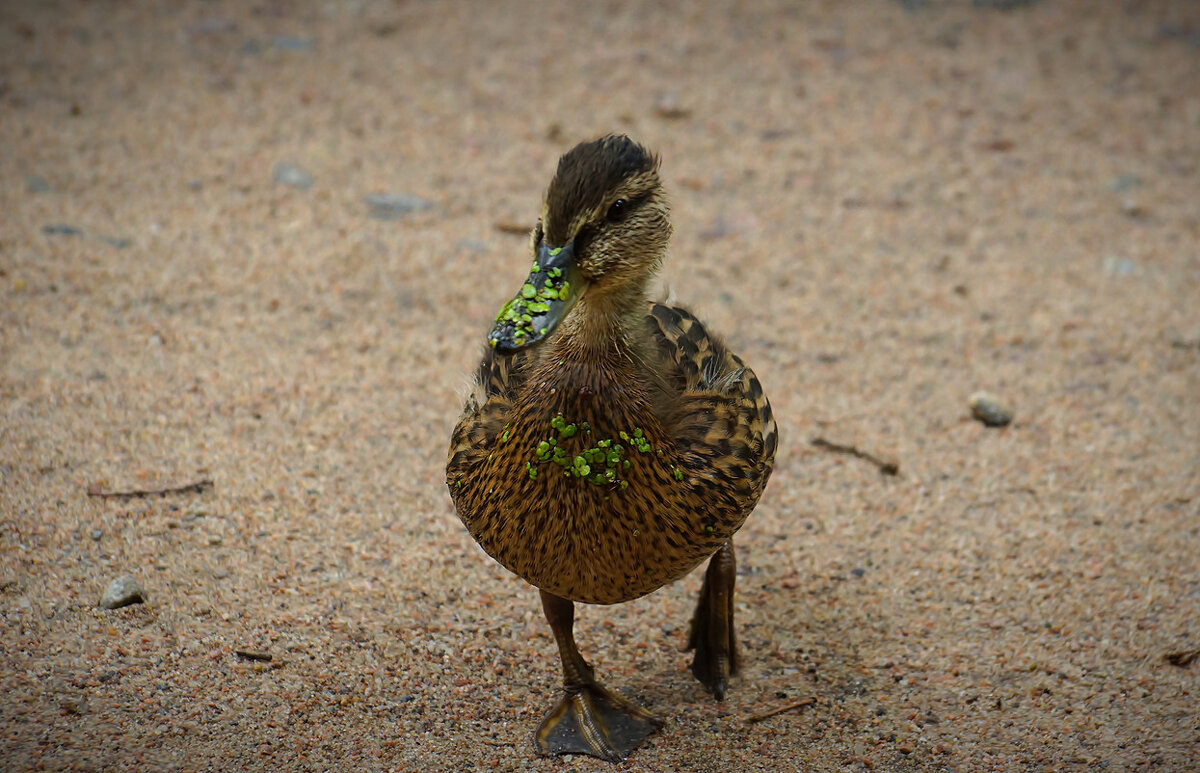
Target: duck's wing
{"x": 489, "y": 405}
{"x": 721, "y": 420}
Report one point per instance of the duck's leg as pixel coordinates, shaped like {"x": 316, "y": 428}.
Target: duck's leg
{"x": 589, "y": 719}
{"x": 712, "y": 635}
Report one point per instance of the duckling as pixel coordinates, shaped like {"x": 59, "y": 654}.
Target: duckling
{"x": 610, "y": 444}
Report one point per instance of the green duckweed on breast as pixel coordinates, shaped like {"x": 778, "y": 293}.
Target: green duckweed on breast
{"x": 600, "y": 464}
{"x": 638, "y": 439}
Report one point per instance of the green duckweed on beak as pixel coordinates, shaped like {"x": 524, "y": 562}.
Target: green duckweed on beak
{"x": 541, "y": 303}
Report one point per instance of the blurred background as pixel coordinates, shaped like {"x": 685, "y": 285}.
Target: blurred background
{"x": 260, "y": 244}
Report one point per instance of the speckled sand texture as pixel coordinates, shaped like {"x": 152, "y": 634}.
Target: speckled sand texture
{"x": 884, "y": 207}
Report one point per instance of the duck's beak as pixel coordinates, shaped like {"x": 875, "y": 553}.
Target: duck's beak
{"x": 541, "y": 303}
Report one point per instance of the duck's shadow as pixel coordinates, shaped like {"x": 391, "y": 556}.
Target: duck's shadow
{"x": 800, "y": 637}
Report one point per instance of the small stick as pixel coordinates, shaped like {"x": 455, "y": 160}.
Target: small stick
{"x": 263, "y": 657}
{"x": 834, "y": 420}
{"x": 1182, "y": 658}
{"x": 887, "y": 468}
{"x": 507, "y": 227}
{"x": 192, "y": 488}
{"x": 797, "y": 704}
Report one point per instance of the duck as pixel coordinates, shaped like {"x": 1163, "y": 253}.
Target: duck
{"x": 610, "y": 443}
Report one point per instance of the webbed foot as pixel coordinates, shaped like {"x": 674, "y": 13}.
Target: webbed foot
{"x": 592, "y": 720}
{"x": 712, "y": 635}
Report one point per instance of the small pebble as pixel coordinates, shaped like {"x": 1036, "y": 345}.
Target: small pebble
{"x": 119, "y": 242}
{"x": 122, "y": 592}
{"x": 73, "y": 704}
{"x": 1125, "y": 182}
{"x": 1120, "y": 266}
{"x": 667, "y": 106}
{"x": 290, "y": 174}
{"x": 988, "y": 409}
{"x": 1001, "y": 5}
{"x": 96, "y": 534}
{"x": 391, "y": 206}
{"x": 292, "y": 43}
{"x": 1133, "y": 208}
{"x": 36, "y": 184}
{"x": 213, "y": 26}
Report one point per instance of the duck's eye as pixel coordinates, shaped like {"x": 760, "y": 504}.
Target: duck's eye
{"x": 618, "y": 211}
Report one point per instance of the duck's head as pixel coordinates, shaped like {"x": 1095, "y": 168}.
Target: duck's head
{"x": 603, "y": 232}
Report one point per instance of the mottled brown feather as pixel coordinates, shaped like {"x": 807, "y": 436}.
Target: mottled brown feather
{"x": 695, "y": 401}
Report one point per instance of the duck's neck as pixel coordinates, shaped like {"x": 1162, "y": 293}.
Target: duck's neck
{"x": 596, "y": 366}
{"x": 602, "y": 327}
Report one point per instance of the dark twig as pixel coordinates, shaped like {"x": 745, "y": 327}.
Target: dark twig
{"x": 508, "y": 227}
{"x": 1182, "y": 658}
{"x": 887, "y": 468}
{"x": 262, "y": 657}
{"x": 192, "y": 488}
{"x": 797, "y": 704}
{"x": 1180, "y": 343}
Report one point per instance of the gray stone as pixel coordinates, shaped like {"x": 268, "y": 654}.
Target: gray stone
{"x": 1002, "y": 5}
{"x": 290, "y": 174}
{"x": 119, "y": 242}
{"x": 214, "y": 26}
{"x": 122, "y": 592}
{"x": 391, "y": 206}
{"x": 37, "y": 184}
{"x": 988, "y": 409}
{"x": 1125, "y": 182}
{"x": 292, "y": 43}
{"x": 73, "y": 704}
{"x": 1120, "y": 266}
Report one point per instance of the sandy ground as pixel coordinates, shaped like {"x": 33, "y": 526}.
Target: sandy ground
{"x": 882, "y": 206}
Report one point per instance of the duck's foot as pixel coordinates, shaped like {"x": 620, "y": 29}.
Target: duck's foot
{"x": 592, "y": 720}
{"x": 712, "y": 635}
